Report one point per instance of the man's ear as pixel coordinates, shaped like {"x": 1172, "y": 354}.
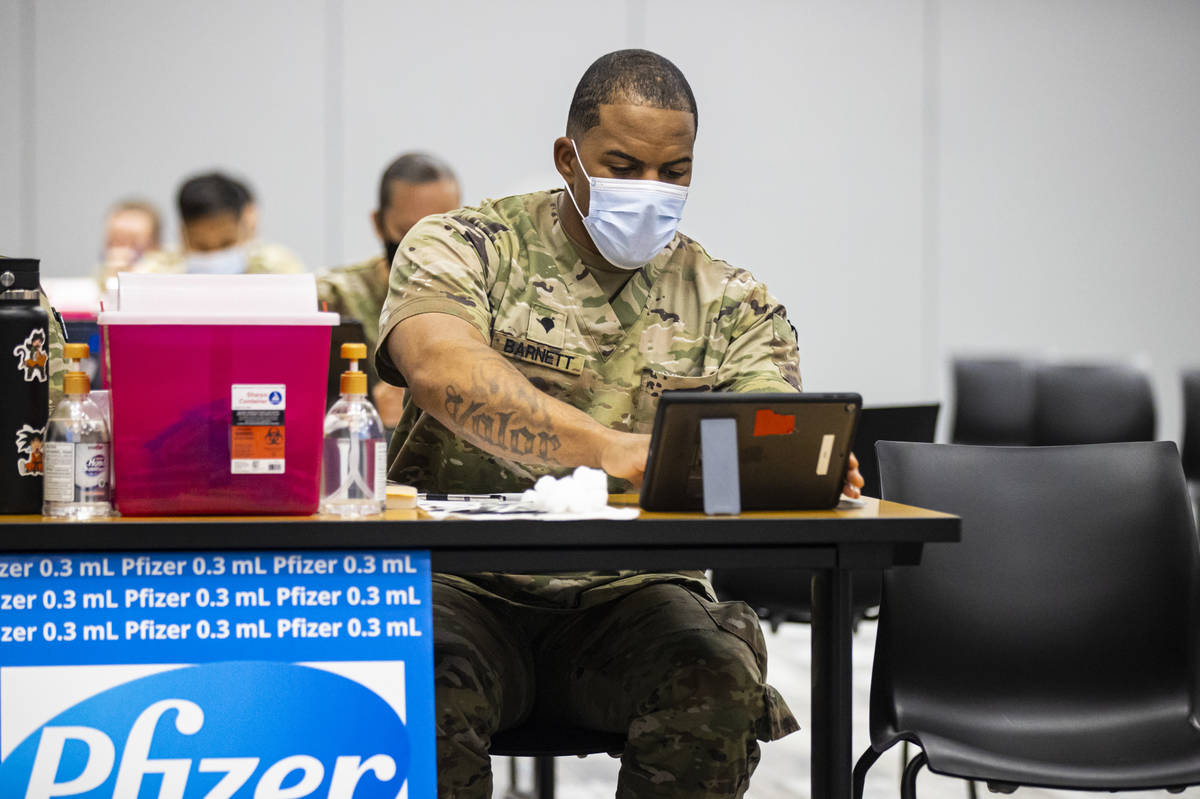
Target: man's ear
{"x": 564, "y": 159}
{"x": 377, "y": 223}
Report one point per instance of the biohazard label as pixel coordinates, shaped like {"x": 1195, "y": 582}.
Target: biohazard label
{"x": 257, "y": 432}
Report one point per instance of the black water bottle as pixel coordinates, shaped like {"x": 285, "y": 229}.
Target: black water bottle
{"x": 24, "y": 386}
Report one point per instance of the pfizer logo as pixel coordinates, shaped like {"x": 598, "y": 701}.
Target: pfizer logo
{"x": 275, "y": 398}
{"x": 237, "y": 730}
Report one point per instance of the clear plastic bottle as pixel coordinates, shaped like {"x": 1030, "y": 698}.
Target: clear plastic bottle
{"x": 77, "y": 451}
{"x": 354, "y": 455}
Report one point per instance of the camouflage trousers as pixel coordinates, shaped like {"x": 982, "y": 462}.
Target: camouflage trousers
{"x": 682, "y": 677}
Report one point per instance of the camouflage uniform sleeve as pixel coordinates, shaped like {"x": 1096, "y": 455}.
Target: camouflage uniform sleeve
{"x": 328, "y": 298}
{"x": 442, "y": 266}
{"x": 273, "y": 259}
{"x": 55, "y": 337}
{"x": 763, "y": 354}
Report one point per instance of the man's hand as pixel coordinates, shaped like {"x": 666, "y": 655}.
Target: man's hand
{"x": 389, "y": 401}
{"x": 854, "y": 480}
{"x": 624, "y": 456}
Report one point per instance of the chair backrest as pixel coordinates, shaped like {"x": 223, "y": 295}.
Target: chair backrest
{"x": 1191, "y": 424}
{"x": 890, "y": 423}
{"x": 1092, "y": 404}
{"x": 993, "y": 401}
{"x": 1074, "y": 581}
{"x": 785, "y": 594}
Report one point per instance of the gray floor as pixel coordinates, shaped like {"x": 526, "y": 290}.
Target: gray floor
{"x": 783, "y": 771}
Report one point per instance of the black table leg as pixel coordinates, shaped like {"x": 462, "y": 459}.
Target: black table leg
{"x": 832, "y": 680}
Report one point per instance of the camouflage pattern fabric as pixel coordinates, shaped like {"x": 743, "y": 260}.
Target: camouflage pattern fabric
{"x": 357, "y": 291}
{"x": 261, "y": 258}
{"x": 682, "y": 677}
{"x": 684, "y": 320}
{"x": 55, "y": 337}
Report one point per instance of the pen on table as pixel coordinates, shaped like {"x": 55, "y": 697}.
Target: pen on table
{"x": 434, "y": 497}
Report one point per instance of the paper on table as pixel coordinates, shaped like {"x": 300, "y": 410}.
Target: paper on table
{"x": 486, "y": 508}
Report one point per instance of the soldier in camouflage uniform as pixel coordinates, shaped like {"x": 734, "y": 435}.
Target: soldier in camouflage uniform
{"x": 413, "y": 186}
{"x": 527, "y": 353}
{"x": 217, "y": 236}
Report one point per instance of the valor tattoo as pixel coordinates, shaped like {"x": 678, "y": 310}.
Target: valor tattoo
{"x": 488, "y": 418}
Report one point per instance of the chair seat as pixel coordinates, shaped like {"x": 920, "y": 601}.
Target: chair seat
{"x": 536, "y": 740}
{"x": 1148, "y": 748}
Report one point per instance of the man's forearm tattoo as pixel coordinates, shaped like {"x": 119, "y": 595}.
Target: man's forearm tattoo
{"x": 481, "y": 422}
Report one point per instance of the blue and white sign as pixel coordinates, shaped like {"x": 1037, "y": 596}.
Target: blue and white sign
{"x": 217, "y": 676}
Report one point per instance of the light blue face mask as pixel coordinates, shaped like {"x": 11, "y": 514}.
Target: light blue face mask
{"x": 630, "y": 221}
{"x": 230, "y": 261}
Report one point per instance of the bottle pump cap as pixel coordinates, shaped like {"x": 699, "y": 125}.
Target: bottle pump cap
{"x": 354, "y": 381}
{"x": 76, "y": 380}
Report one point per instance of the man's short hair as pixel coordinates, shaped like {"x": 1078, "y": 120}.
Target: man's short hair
{"x": 637, "y": 77}
{"x": 244, "y": 188}
{"x": 210, "y": 194}
{"x": 413, "y": 168}
{"x": 142, "y": 207}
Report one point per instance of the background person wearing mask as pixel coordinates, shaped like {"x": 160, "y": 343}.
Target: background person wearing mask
{"x": 213, "y": 234}
{"x": 413, "y": 186}
{"x": 132, "y": 230}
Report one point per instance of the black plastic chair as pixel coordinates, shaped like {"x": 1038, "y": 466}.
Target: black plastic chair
{"x": 1092, "y": 404}
{"x": 993, "y": 401}
{"x": 1191, "y": 424}
{"x": 780, "y": 595}
{"x": 543, "y": 744}
{"x": 1056, "y": 644}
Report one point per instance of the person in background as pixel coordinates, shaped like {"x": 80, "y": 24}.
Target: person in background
{"x": 274, "y": 257}
{"x": 413, "y": 186}
{"x": 132, "y": 230}
{"x": 214, "y": 238}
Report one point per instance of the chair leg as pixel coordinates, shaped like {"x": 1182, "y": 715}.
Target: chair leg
{"x": 904, "y": 754}
{"x": 908, "y": 783}
{"x": 861, "y": 768}
{"x": 972, "y": 793}
{"x": 514, "y": 782}
{"x": 543, "y": 776}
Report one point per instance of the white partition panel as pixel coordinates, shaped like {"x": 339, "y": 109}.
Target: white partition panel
{"x": 1070, "y": 194}
{"x": 133, "y": 95}
{"x": 13, "y": 241}
{"x": 808, "y": 171}
{"x": 484, "y": 85}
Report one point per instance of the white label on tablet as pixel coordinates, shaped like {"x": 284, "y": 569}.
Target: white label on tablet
{"x": 825, "y": 453}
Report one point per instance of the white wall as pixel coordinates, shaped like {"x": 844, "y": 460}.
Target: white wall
{"x": 1069, "y": 199}
{"x": 914, "y": 178}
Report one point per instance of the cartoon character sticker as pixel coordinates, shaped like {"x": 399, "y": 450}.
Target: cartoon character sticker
{"x": 30, "y": 442}
{"x": 32, "y": 357}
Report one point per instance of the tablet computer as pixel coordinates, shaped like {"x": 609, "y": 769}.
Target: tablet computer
{"x": 791, "y": 449}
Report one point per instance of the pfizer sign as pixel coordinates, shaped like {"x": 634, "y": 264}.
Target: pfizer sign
{"x": 245, "y": 730}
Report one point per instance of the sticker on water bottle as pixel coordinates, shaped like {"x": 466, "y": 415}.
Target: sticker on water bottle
{"x": 257, "y": 438}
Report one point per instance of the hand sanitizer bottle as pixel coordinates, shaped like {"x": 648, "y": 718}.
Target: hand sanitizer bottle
{"x": 354, "y": 456}
{"x": 77, "y": 449}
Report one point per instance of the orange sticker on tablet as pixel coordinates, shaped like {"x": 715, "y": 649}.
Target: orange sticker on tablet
{"x": 769, "y": 423}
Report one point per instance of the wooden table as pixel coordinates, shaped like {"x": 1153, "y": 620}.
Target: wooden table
{"x": 834, "y": 543}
